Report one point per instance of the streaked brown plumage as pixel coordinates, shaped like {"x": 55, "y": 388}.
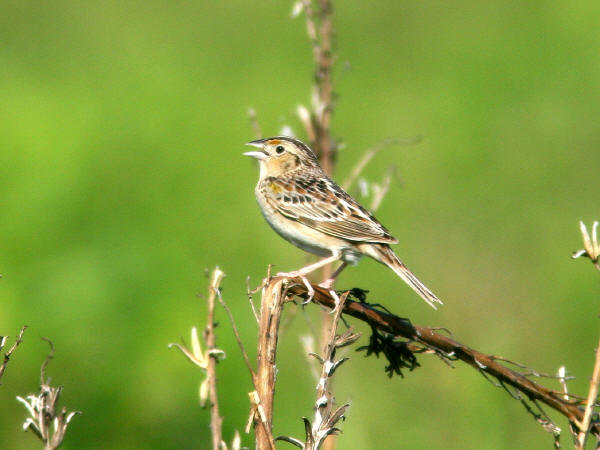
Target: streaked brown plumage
{"x": 307, "y": 208}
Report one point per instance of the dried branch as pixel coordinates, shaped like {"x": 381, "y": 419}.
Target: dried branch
{"x": 592, "y": 251}
{"x": 273, "y": 297}
{"x": 326, "y": 415}
{"x": 207, "y": 360}
{"x": 447, "y": 347}
{"x": 216, "y": 421}
{"x": 584, "y": 427}
{"x": 370, "y": 154}
{"x": 562, "y": 372}
{"x": 381, "y": 190}
{"x": 10, "y": 351}
{"x": 238, "y": 337}
{"x": 250, "y": 293}
{"x": 45, "y": 420}
{"x": 317, "y": 121}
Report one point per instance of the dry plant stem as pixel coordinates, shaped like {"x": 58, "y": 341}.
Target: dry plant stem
{"x": 487, "y": 364}
{"x": 381, "y": 190}
{"x": 324, "y": 61}
{"x": 216, "y": 420}
{"x": 319, "y": 27}
{"x": 370, "y": 154}
{"x": 239, "y": 339}
{"x": 321, "y": 38}
{"x": 10, "y": 351}
{"x": 273, "y": 297}
{"x": 591, "y": 400}
{"x": 250, "y": 293}
{"x": 326, "y": 416}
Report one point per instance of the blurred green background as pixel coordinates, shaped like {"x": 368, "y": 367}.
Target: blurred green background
{"x": 121, "y": 131}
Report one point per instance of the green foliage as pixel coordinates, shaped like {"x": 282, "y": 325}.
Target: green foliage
{"x": 122, "y": 180}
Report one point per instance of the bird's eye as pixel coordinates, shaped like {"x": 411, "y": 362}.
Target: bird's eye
{"x": 279, "y": 149}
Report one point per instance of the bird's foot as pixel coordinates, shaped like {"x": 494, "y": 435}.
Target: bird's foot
{"x": 302, "y": 275}
{"x": 309, "y": 290}
{"x": 336, "y": 299}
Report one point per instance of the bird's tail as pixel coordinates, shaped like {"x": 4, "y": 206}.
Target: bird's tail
{"x": 384, "y": 254}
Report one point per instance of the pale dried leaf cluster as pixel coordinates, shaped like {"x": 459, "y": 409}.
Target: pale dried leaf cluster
{"x": 200, "y": 357}
{"x": 591, "y": 248}
{"x": 46, "y": 420}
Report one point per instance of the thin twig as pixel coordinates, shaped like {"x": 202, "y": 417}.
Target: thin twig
{"x": 238, "y": 338}
{"x": 49, "y": 358}
{"x": 370, "y": 154}
{"x": 381, "y": 190}
{"x": 10, "y": 351}
{"x": 216, "y": 421}
{"x": 250, "y": 293}
{"x": 562, "y": 372}
{"x": 591, "y": 400}
{"x": 326, "y": 415}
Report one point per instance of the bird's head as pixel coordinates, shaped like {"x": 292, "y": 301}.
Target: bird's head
{"x": 281, "y": 154}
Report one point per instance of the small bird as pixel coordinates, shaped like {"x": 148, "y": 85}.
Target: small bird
{"x": 304, "y": 206}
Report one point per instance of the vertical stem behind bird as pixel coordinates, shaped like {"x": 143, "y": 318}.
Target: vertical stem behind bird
{"x": 319, "y": 27}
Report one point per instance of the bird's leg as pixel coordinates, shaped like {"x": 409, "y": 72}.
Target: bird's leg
{"x": 310, "y": 268}
{"x": 301, "y": 273}
{"x": 328, "y": 283}
{"x": 336, "y": 300}
{"x": 309, "y": 290}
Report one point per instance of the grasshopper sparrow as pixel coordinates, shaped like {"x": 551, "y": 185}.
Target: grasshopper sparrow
{"x": 304, "y": 206}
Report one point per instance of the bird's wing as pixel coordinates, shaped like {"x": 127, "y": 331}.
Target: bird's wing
{"x": 322, "y": 205}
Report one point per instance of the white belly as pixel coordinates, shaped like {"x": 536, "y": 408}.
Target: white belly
{"x": 306, "y": 238}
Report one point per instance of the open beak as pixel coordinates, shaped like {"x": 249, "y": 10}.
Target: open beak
{"x": 260, "y": 155}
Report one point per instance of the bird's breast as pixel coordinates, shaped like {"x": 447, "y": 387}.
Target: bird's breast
{"x": 302, "y": 236}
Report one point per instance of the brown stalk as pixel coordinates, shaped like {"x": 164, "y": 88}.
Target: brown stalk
{"x": 273, "y": 297}
{"x": 326, "y": 415}
{"x": 10, "y": 351}
{"x": 317, "y": 124}
{"x": 488, "y": 365}
{"x": 319, "y": 27}
{"x": 584, "y": 427}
